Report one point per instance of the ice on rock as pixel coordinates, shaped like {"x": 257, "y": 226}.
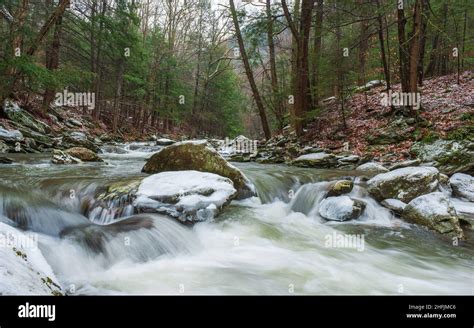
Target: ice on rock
{"x": 186, "y": 195}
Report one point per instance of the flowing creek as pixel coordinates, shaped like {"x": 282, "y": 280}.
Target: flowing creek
{"x": 271, "y": 244}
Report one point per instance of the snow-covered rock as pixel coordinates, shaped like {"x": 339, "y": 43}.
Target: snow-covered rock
{"x": 197, "y": 155}
{"x": 399, "y": 165}
{"x": 372, "y": 168}
{"x": 404, "y": 184}
{"x": 463, "y": 186}
{"x": 448, "y": 156}
{"x": 316, "y": 160}
{"x": 164, "y": 142}
{"x": 10, "y": 135}
{"x": 23, "y": 269}
{"x": 340, "y": 208}
{"x": 436, "y": 212}
{"x": 394, "y": 204}
{"x": 186, "y": 195}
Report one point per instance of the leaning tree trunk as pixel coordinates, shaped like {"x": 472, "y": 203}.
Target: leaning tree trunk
{"x": 248, "y": 71}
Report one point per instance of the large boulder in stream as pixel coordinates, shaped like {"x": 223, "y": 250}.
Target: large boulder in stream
{"x": 60, "y": 157}
{"x": 404, "y": 184}
{"x": 463, "y": 186}
{"x": 436, "y": 212}
{"x": 189, "y": 196}
{"x": 316, "y": 160}
{"x": 196, "y": 155}
{"x": 83, "y": 154}
{"x": 448, "y": 156}
{"x": 341, "y": 208}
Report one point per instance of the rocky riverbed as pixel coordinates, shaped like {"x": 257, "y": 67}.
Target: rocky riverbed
{"x": 244, "y": 219}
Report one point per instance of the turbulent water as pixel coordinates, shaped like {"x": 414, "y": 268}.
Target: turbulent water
{"x": 272, "y": 244}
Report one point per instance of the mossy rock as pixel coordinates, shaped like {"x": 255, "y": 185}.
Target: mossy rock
{"x": 436, "y": 212}
{"x": 84, "y": 154}
{"x": 119, "y": 189}
{"x": 22, "y": 117}
{"x": 340, "y": 187}
{"x": 403, "y": 184}
{"x": 448, "y": 156}
{"x": 195, "y": 155}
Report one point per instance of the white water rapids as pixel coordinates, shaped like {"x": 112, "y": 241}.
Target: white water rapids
{"x": 275, "y": 244}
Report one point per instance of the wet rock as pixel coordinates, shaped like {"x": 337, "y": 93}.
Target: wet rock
{"x": 348, "y": 159}
{"x": 404, "y": 184}
{"x": 5, "y": 160}
{"x": 372, "y": 168}
{"x": 83, "y": 154}
{"x": 4, "y": 148}
{"x": 463, "y": 186}
{"x": 436, "y": 212}
{"x": 399, "y": 165}
{"x": 395, "y": 205}
{"x": 15, "y": 113}
{"x": 39, "y": 138}
{"x": 340, "y": 187}
{"x": 189, "y": 196}
{"x": 196, "y": 155}
{"x": 60, "y": 157}
{"x": 341, "y": 208}
{"x": 10, "y": 135}
{"x": 114, "y": 149}
{"x": 311, "y": 150}
{"x": 316, "y": 160}
{"x": 79, "y": 139}
{"x": 447, "y": 155}
{"x": 71, "y": 123}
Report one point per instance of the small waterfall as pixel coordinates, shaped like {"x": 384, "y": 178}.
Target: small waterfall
{"x": 32, "y": 211}
{"x": 137, "y": 239}
{"x": 84, "y": 197}
{"x": 308, "y": 197}
{"x": 134, "y": 149}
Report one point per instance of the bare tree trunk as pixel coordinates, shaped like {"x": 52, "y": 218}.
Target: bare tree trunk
{"x": 52, "y": 62}
{"x": 363, "y": 47}
{"x": 403, "y": 50}
{"x": 383, "y": 54}
{"x": 277, "y": 100}
{"x": 415, "y": 46}
{"x": 318, "y": 26}
{"x": 248, "y": 71}
{"x": 59, "y": 11}
{"x": 118, "y": 94}
{"x": 424, "y": 19}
